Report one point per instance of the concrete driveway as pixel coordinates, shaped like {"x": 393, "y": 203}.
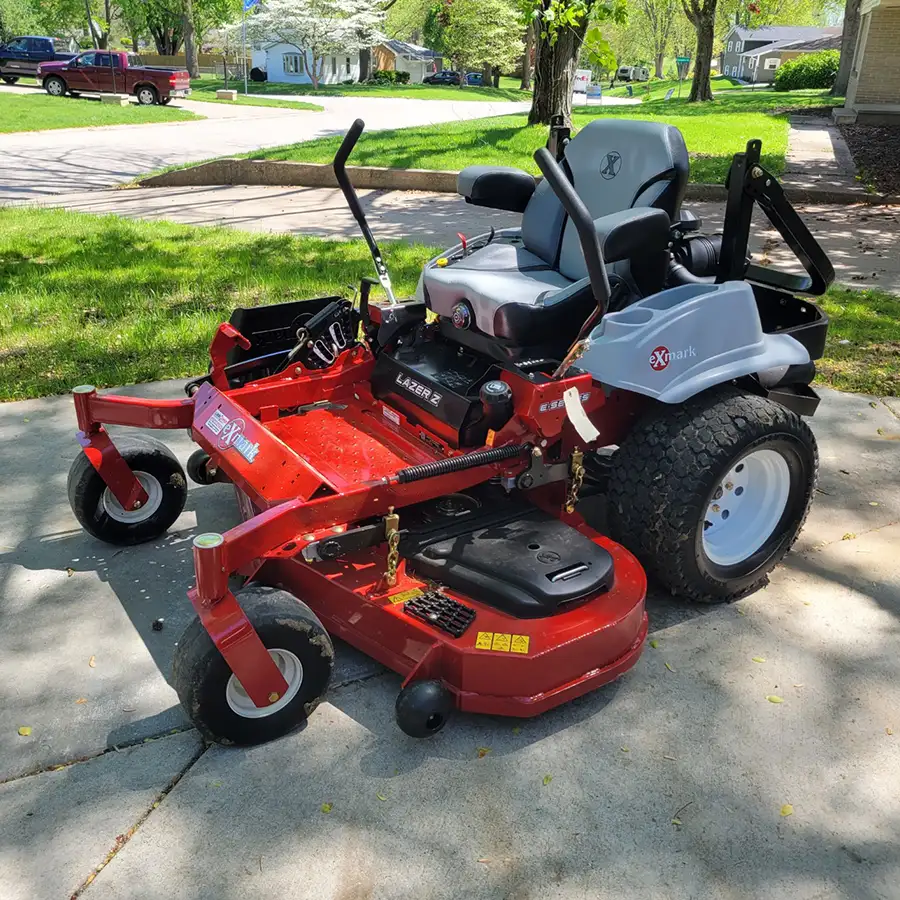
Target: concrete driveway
{"x": 40, "y": 163}
{"x": 670, "y": 783}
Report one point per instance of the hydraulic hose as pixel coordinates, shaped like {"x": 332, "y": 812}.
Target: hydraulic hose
{"x": 459, "y": 463}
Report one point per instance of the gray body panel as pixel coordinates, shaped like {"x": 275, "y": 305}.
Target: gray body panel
{"x": 684, "y": 340}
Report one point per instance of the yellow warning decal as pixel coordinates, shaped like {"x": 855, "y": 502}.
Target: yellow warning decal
{"x": 403, "y": 596}
{"x": 520, "y": 643}
{"x": 502, "y": 643}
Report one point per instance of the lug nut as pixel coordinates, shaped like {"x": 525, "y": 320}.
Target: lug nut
{"x": 729, "y": 485}
{"x": 274, "y": 697}
{"x": 715, "y": 507}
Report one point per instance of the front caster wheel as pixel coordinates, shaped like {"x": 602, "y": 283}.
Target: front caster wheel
{"x": 423, "y": 708}
{"x": 100, "y": 513}
{"x": 214, "y": 699}
{"x": 710, "y": 495}
{"x": 198, "y": 468}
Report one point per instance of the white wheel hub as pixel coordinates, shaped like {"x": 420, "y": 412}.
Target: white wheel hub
{"x": 241, "y": 704}
{"x": 115, "y": 510}
{"x": 746, "y": 507}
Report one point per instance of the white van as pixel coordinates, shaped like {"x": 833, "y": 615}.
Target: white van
{"x": 633, "y": 73}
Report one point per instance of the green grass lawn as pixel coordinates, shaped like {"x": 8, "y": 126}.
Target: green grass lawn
{"x": 257, "y": 101}
{"x": 36, "y": 112}
{"x": 112, "y": 301}
{"x": 657, "y": 89}
{"x": 714, "y": 132}
{"x": 509, "y": 91}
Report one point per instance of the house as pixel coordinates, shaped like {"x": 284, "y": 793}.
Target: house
{"x": 873, "y": 93}
{"x": 402, "y": 57}
{"x": 753, "y": 54}
{"x": 288, "y": 64}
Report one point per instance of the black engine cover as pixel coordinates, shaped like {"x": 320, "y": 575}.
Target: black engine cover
{"x": 434, "y": 384}
{"x": 506, "y": 553}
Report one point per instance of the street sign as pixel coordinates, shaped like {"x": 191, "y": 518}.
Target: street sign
{"x": 682, "y": 60}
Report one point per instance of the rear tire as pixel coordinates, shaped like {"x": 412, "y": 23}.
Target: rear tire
{"x": 10, "y": 79}
{"x": 147, "y": 96}
{"x": 100, "y": 514}
{"x": 55, "y": 86}
{"x": 214, "y": 699}
{"x": 710, "y": 495}
{"x": 165, "y": 101}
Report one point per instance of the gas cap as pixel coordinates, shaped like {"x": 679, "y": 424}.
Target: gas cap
{"x": 461, "y": 315}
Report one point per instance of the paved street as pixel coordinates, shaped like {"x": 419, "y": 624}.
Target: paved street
{"x": 35, "y": 164}
{"x": 698, "y": 739}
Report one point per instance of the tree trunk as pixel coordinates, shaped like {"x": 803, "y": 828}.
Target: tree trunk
{"x": 365, "y": 64}
{"x": 554, "y": 72}
{"x": 496, "y": 78}
{"x": 487, "y": 75}
{"x": 135, "y": 39}
{"x": 526, "y": 57}
{"x": 190, "y": 48}
{"x": 848, "y": 47}
{"x": 659, "y": 65}
{"x": 90, "y": 23}
{"x": 705, "y": 25}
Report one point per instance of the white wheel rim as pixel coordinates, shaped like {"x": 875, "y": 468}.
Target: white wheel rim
{"x": 146, "y": 97}
{"x": 116, "y": 511}
{"x": 55, "y": 88}
{"x": 239, "y": 701}
{"x": 746, "y": 507}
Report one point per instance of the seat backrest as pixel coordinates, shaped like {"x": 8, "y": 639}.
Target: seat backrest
{"x": 614, "y": 164}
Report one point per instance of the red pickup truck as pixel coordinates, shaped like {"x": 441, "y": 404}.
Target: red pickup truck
{"x": 113, "y": 72}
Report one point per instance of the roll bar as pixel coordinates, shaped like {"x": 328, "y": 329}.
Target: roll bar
{"x": 340, "y": 173}
{"x": 584, "y": 225}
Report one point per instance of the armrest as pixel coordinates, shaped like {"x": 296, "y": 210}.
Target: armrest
{"x": 632, "y": 232}
{"x": 497, "y": 187}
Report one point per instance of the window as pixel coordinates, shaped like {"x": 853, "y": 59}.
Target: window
{"x": 293, "y": 64}
{"x": 348, "y": 65}
{"x": 771, "y": 64}
{"x": 738, "y": 46}
{"x": 102, "y": 59}
{"x": 20, "y": 44}
{"x": 730, "y": 45}
{"x": 334, "y": 65}
{"x": 87, "y": 59}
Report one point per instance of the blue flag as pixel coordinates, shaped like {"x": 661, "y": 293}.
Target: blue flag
{"x": 249, "y": 4}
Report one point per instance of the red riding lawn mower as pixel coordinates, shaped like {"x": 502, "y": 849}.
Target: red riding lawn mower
{"x": 409, "y": 473}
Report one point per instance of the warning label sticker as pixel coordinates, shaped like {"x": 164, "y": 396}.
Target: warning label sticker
{"x": 502, "y": 643}
{"x": 403, "y": 596}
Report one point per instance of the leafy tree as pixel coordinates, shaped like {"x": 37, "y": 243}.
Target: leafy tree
{"x": 659, "y": 17}
{"x": 318, "y": 28}
{"x": 435, "y": 27}
{"x": 566, "y": 29}
{"x": 484, "y": 34}
{"x": 16, "y": 17}
{"x": 165, "y": 19}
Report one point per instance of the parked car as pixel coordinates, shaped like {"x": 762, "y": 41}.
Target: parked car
{"x": 21, "y": 57}
{"x": 633, "y": 73}
{"x": 114, "y": 72}
{"x": 476, "y": 79}
{"x": 445, "y": 76}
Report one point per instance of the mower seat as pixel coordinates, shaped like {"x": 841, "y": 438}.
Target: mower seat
{"x": 532, "y": 281}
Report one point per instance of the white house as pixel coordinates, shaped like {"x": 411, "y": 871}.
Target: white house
{"x": 286, "y": 63}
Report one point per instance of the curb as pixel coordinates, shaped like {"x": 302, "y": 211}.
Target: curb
{"x": 292, "y": 174}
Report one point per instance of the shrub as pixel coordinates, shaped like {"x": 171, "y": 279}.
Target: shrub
{"x": 815, "y": 70}
{"x": 389, "y": 76}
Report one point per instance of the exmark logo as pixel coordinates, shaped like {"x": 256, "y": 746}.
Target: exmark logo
{"x": 662, "y": 356}
{"x": 431, "y": 397}
{"x": 231, "y": 435}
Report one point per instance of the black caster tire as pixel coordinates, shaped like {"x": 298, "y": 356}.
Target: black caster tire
{"x": 100, "y": 514}
{"x": 214, "y": 699}
{"x": 423, "y": 708}
{"x": 710, "y": 495}
{"x": 197, "y": 470}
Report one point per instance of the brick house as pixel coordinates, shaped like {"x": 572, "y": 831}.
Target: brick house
{"x": 873, "y": 94}
{"x": 754, "y": 54}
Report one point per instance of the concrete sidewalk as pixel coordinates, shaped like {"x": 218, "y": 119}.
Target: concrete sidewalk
{"x": 818, "y": 157}
{"x": 860, "y": 240}
{"x": 697, "y": 742}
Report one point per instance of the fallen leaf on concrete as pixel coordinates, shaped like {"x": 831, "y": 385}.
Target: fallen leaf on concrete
{"x": 676, "y": 821}
{"x": 669, "y": 668}
{"x": 666, "y": 756}
{"x": 873, "y": 503}
{"x": 81, "y": 700}
{"x": 654, "y": 644}
{"x": 758, "y": 659}
{"x": 879, "y": 430}
{"x": 92, "y": 662}
{"x": 26, "y": 420}
{"x": 799, "y": 685}
{"x": 787, "y": 810}
{"x": 807, "y": 602}
{"x": 483, "y": 752}
{"x": 24, "y": 730}
{"x": 873, "y": 404}
{"x": 774, "y": 698}
{"x": 625, "y": 749}
{"x": 215, "y": 784}
{"x": 381, "y": 797}
{"x": 740, "y": 611}
{"x": 548, "y": 779}
{"x": 70, "y": 572}
{"x": 483, "y": 861}
{"x": 889, "y": 731}
{"x": 327, "y": 807}
{"x": 849, "y": 536}
{"x": 517, "y": 730}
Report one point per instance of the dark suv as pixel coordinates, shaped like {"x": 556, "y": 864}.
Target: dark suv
{"x": 445, "y": 76}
